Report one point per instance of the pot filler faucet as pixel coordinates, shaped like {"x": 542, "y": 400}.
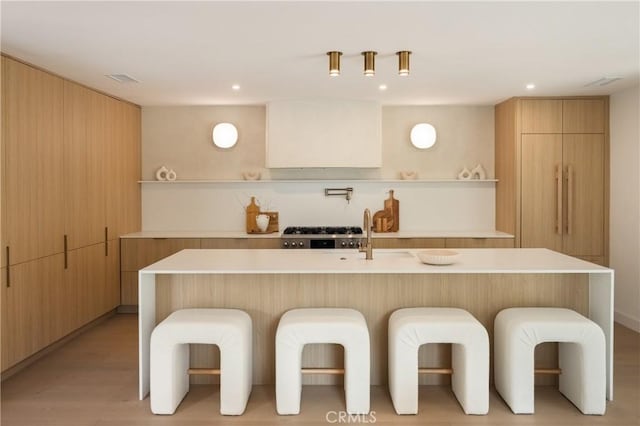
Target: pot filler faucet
{"x": 367, "y": 227}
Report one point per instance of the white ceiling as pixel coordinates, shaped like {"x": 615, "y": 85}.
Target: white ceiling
{"x": 190, "y": 53}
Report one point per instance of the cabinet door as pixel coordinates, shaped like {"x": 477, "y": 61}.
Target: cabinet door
{"x": 85, "y": 275}
{"x": 583, "y": 157}
{"x": 29, "y": 308}
{"x": 479, "y": 243}
{"x": 541, "y": 115}
{"x": 541, "y": 211}
{"x": 122, "y": 190}
{"x": 583, "y": 116}
{"x": 224, "y": 243}
{"x": 408, "y": 243}
{"x": 84, "y": 154}
{"x": 140, "y": 252}
{"x": 112, "y": 281}
{"x": 32, "y": 104}
{"x": 265, "y": 243}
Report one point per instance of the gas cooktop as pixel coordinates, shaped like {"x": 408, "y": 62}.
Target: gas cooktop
{"x": 322, "y": 230}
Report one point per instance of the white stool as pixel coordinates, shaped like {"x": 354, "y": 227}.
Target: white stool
{"x": 298, "y": 327}
{"x": 409, "y": 328}
{"x": 581, "y": 357}
{"x": 230, "y": 329}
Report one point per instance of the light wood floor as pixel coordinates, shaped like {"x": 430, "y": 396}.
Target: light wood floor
{"x": 92, "y": 380}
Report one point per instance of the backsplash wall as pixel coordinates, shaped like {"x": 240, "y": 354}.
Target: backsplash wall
{"x": 180, "y": 138}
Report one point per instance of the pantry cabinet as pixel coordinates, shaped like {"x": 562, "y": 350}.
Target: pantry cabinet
{"x": 60, "y": 142}
{"x": 552, "y": 167}
{"x": 32, "y": 136}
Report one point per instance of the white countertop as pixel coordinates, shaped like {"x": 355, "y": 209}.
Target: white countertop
{"x": 242, "y": 234}
{"x": 385, "y": 261}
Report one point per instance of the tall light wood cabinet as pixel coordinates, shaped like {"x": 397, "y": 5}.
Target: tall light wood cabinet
{"x": 70, "y": 159}
{"x": 32, "y": 136}
{"x": 552, "y": 166}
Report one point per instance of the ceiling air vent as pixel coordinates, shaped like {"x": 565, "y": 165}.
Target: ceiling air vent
{"x": 603, "y": 81}
{"x": 122, "y": 78}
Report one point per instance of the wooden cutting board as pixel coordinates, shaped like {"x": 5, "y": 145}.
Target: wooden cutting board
{"x": 393, "y": 205}
{"x": 253, "y": 210}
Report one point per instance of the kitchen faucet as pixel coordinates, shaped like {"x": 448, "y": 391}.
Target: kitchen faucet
{"x": 368, "y": 227}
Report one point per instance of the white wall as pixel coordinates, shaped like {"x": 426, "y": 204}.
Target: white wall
{"x": 625, "y": 205}
{"x": 180, "y": 138}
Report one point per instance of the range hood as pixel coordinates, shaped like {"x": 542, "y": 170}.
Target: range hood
{"x": 323, "y": 133}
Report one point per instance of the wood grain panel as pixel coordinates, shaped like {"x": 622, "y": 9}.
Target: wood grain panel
{"x": 507, "y": 139}
{"x": 224, "y": 243}
{"x": 128, "y": 288}
{"x": 408, "y": 242}
{"x": 479, "y": 242}
{"x": 266, "y": 297}
{"x": 265, "y": 243}
{"x": 541, "y": 158}
{"x": 86, "y": 276}
{"x": 84, "y": 171}
{"x": 32, "y": 107}
{"x": 583, "y": 116}
{"x": 140, "y": 252}
{"x": 111, "y": 298}
{"x": 32, "y": 308}
{"x": 584, "y": 158}
{"x": 541, "y": 115}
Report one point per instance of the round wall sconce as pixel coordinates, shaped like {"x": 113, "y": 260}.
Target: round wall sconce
{"x": 225, "y": 135}
{"x": 423, "y": 135}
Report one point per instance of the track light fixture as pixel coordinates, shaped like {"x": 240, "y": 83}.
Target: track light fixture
{"x": 334, "y": 63}
{"x": 403, "y": 62}
{"x": 369, "y": 63}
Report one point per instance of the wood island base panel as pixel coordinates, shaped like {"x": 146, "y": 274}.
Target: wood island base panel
{"x": 267, "y": 283}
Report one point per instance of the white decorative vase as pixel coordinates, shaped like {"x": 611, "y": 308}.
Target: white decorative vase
{"x": 465, "y": 174}
{"x": 478, "y": 172}
{"x": 161, "y": 173}
{"x": 262, "y": 220}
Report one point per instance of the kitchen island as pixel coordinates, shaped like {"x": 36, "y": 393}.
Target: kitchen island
{"x": 266, "y": 283}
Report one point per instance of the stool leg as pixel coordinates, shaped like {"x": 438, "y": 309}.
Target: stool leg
{"x": 356, "y": 376}
{"x": 403, "y": 375}
{"x": 583, "y": 378}
{"x": 470, "y": 379}
{"x": 288, "y": 377}
{"x": 169, "y": 379}
{"x": 235, "y": 374}
{"x": 513, "y": 369}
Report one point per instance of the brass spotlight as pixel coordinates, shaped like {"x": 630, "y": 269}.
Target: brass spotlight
{"x": 403, "y": 62}
{"x": 334, "y": 63}
{"x": 369, "y": 63}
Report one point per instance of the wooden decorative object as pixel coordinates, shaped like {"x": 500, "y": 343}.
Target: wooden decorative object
{"x": 253, "y": 210}
{"x": 387, "y": 220}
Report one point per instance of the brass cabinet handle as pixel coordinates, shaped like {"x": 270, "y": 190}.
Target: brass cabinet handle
{"x": 569, "y": 198}
{"x": 66, "y": 264}
{"x": 558, "y": 200}
{"x": 106, "y": 241}
{"x": 8, "y": 268}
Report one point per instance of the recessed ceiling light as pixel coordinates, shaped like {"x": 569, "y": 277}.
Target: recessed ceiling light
{"x": 382, "y": 87}
{"x": 236, "y": 87}
{"x": 530, "y": 86}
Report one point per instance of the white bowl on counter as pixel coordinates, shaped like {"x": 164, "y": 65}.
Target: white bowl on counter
{"x": 438, "y": 256}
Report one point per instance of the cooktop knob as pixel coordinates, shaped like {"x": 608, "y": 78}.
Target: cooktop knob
{"x": 351, "y": 244}
{"x": 285, "y": 244}
{"x": 293, "y": 244}
{"x": 343, "y": 244}
{"x": 301, "y": 244}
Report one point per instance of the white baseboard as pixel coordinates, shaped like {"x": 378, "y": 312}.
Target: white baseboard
{"x": 627, "y": 321}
